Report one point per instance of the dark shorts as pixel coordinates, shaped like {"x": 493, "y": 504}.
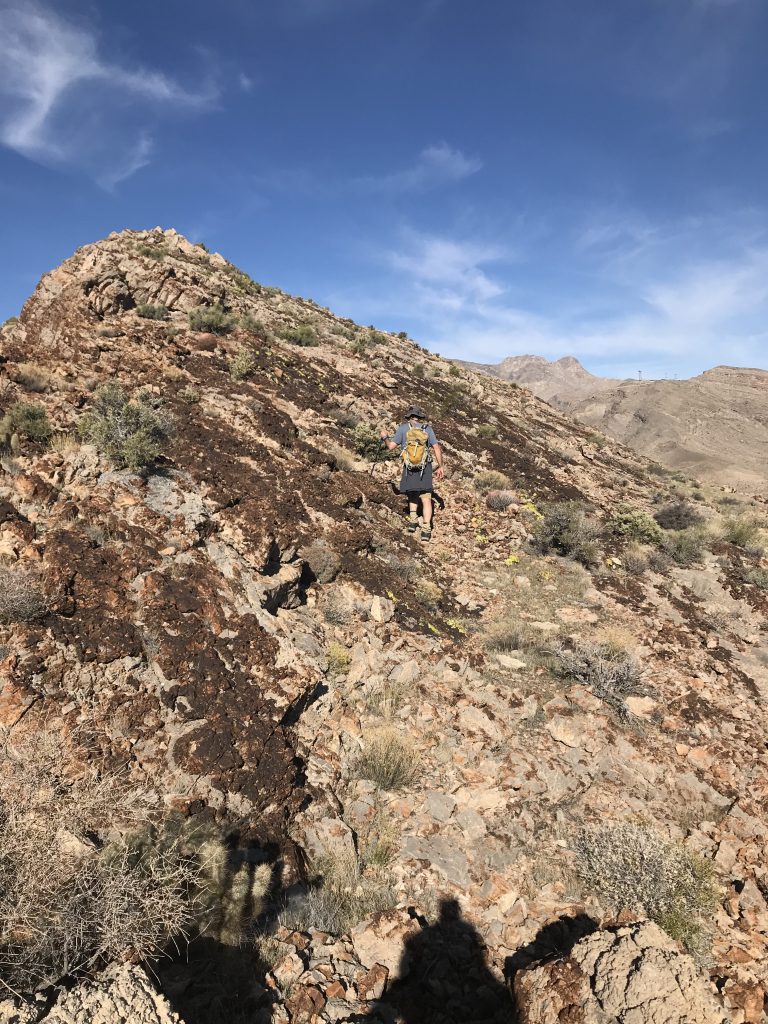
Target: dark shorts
{"x": 416, "y": 482}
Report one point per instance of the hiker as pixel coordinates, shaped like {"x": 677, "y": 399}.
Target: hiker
{"x": 420, "y": 448}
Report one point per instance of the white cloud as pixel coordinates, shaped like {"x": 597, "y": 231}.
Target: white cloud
{"x": 245, "y": 82}
{"x": 62, "y": 103}
{"x": 436, "y": 165}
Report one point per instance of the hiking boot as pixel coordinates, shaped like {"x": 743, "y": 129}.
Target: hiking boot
{"x": 412, "y": 525}
{"x": 426, "y": 533}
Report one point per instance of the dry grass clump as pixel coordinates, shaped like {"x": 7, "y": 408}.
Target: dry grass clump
{"x": 632, "y": 867}
{"x": 427, "y": 593}
{"x": 189, "y": 395}
{"x": 347, "y": 889}
{"x": 386, "y": 760}
{"x": 22, "y": 598}
{"x": 566, "y": 530}
{"x": 339, "y": 658}
{"x": 487, "y": 431}
{"x": 742, "y": 531}
{"x": 386, "y": 699}
{"x": 609, "y": 669}
{"x": 64, "y": 443}
{"x": 491, "y": 480}
{"x": 509, "y": 634}
{"x": 32, "y": 377}
{"x": 498, "y": 501}
{"x": 685, "y": 547}
{"x": 634, "y": 559}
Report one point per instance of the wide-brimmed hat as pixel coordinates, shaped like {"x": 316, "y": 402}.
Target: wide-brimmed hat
{"x": 415, "y": 411}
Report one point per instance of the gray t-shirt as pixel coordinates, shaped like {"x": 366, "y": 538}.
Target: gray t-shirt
{"x": 402, "y": 430}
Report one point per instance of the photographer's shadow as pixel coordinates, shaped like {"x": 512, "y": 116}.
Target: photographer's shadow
{"x": 444, "y": 978}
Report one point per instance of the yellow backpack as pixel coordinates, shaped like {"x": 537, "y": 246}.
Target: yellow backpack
{"x": 416, "y": 451}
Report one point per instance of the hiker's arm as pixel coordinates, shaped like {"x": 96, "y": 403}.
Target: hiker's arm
{"x": 389, "y": 443}
{"x": 437, "y": 450}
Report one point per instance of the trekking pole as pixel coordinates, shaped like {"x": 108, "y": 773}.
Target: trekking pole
{"x": 375, "y": 462}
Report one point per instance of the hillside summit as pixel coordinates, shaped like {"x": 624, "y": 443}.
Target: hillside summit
{"x": 712, "y": 426}
{"x": 429, "y": 767}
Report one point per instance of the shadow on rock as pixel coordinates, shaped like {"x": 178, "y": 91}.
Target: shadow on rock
{"x": 444, "y": 978}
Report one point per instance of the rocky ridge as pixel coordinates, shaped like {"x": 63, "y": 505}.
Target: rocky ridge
{"x": 189, "y": 630}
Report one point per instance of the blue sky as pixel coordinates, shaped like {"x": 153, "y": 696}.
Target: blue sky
{"x": 496, "y": 178}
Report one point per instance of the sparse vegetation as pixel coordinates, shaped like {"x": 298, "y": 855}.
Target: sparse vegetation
{"x": 210, "y": 320}
{"x": 64, "y": 443}
{"x": 633, "y": 522}
{"x": 634, "y": 559}
{"x": 454, "y": 370}
{"x": 755, "y": 575}
{"x": 338, "y": 658}
{"x": 742, "y": 531}
{"x": 303, "y": 335}
{"x": 509, "y": 634}
{"x": 27, "y": 419}
{"x": 677, "y": 515}
{"x": 189, "y": 395}
{"x": 131, "y": 431}
{"x": 386, "y": 760}
{"x": 242, "y": 365}
{"x": 427, "y": 593}
{"x": 487, "y": 431}
{"x": 611, "y": 671}
{"x": 634, "y": 868}
{"x": 490, "y": 480}
{"x": 366, "y": 441}
{"x": 22, "y": 598}
{"x": 153, "y": 252}
{"x": 685, "y": 547}
{"x": 32, "y": 377}
{"x": 498, "y": 501}
{"x": 150, "y": 312}
{"x": 566, "y": 530}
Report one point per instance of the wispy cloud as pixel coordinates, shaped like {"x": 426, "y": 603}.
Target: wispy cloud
{"x": 62, "y": 103}
{"x": 436, "y": 165}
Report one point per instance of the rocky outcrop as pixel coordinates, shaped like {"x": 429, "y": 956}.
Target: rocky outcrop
{"x": 122, "y": 994}
{"x": 627, "y": 975}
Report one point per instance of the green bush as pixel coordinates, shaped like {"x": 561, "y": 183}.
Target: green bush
{"x": 131, "y": 431}
{"x": 490, "y": 480}
{"x": 27, "y": 419}
{"x": 242, "y": 365}
{"x": 366, "y": 441}
{"x": 249, "y": 323}
{"x": 454, "y": 371}
{"x": 566, "y": 530}
{"x": 153, "y": 252}
{"x": 303, "y": 335}
{"x": 677, "y": 515}
{"x": 633, "y": 868}
{"x": 149, "y": 312}
{"x": 210, "y": 320}
{"x": 487, "y": 431}
{"x": 633, "y": 522}
{"x": 741, "y": 531}
{"x": 756, "y": 576}
{"x": 359, "y": 345}
{"x": 686, "y": 547}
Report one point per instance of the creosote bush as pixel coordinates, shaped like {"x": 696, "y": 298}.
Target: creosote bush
{"x": 612, "y": 672}
{"x": 632, "y": 867}
{"x": 242, "y": 365}
{"x": 22, "y": 598}
{"x": 566, "y": 530}
{"x": 634, "y": 523}
{"x": 490, "y": 480}
{"x": 386, "y": 760}
{"x": 303, "y": 335}
{"x": 210, "y": 320}
{"x": 27, "y": 419}
{"x": 150, "y": 312}
{"x": 366, "y": 442}
{"x": 131, "y": 431}
{"x": 677, "y": 515}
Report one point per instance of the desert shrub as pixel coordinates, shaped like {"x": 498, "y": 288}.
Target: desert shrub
{"x": 359, "y": 346}
{"x": 339, "y": 658}
{"x": 153, "y": 252}
{"x": 418, "y": 370}
{"x": 490, "y": 480}
{"x": 427, "y": 593}
{"x": 386, "y": 760}
{"x": 242, "y": 365}
{"x": 11, "y": 321}
{"x": 342, "y": 461}
{"x": 131, "y": 431}
{"x": 22, "y": 598}
{"x": 685, "y": 547}
{"x": 32, "y": 377}
{"x": 677, "y": 515}
{"x": 487, "y": 431}
{"x": 741, "y": 531}
{"x": 323, "y": 561}
{"x": 347, "y": 888}
{"x": 386, "y": 698}
{"x": 566, "y": 530}
{"x": 210, "y": 319}
{"x": 150, "y": 312}
{"x": 454, "y": 371}
{"x": 64, "y": 443}
{"x": 497, "y": 501}
{"x": 634, "y": 560}
{"x": 508, "y": 634}
{"x": 28, "y": 419}
{"x": 634, "y": 868}
{"x": 303, "y": 334}
{"x": 249, "y": 323}
{"x": 189, "y": 395}
{"x": 633, "y": 522}
{"x": 366, "y": 441}
{"x": 608, "y": 669}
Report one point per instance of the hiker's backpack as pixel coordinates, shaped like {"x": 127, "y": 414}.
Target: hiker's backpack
{"x": 416, "y": 450}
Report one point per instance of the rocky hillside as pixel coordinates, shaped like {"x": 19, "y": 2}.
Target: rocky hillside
{"x": 713, "y": 426}
{"x": 561, "y": 382}
{"x": 456, "y": 759}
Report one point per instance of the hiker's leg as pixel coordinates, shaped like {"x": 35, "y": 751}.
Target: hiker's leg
{"x": 426, "y": 504}
{"x": 413, "y": 512}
